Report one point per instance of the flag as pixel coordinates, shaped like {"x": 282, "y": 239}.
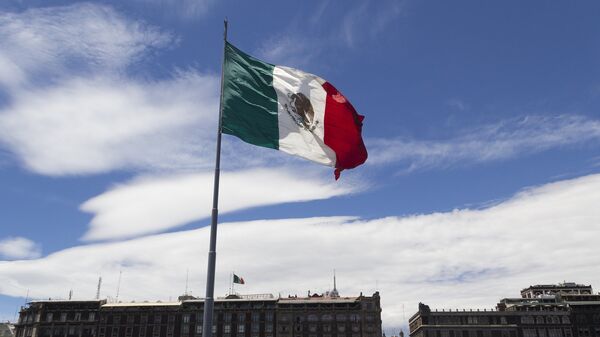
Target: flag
{"x": 289, "y": 110}
{"x": 238, "y": 280}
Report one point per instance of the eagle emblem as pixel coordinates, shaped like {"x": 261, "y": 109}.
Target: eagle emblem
{"x": 301, "y": 111}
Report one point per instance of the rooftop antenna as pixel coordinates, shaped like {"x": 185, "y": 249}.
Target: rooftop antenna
{"x": 187, "y": 275}
{"x": 118, "y": 286}
{"x": 334, "y": 292}
{"x": 70, "y": 294}
{"x": 98, "y": 290}
{"x": 27, "y": 297}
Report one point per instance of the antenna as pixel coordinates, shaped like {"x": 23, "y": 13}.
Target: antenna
{"x": 99, "y": 285}
{"x": 27, "y": 297}
{"x": 187, "y": 275}
{"x": 334, "y": 282}
{"x": 118, "y": 286}
{"x": 70, "y": 294}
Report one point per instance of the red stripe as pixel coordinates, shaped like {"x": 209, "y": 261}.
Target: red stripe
{"x": 343, "y": 126}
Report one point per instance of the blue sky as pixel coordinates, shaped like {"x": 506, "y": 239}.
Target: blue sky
{"x": 482, "y": 127}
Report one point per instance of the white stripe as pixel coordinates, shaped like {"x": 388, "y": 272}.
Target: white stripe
{"x": 294, "y": 138}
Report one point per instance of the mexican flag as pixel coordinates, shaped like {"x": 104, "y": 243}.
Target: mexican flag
{"x": 238, "y": 280}
{"x": 291, "y": 111}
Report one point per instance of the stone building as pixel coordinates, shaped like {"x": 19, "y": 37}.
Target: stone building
{"x": 326, "y": 315}
{"x": 563, "y": 310}
{"x": 6, "y": 330}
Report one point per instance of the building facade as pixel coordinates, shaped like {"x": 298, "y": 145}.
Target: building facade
{"x": 562, "y": 310}
{"x": 327, "y": 315}
{"x": 6, "y": 330}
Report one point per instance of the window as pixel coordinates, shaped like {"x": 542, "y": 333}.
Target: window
{"x": 171, "y": 318}
{"x": 269, "y": 327}
{"x": 529, "y": 333}
{"x": 128, "y": 331}
{"x": 199, "y": 317}
{"x": 566, "y": 320}
{"x": 539, "y": 320}
{"x": 49, "y": 317}
{"x": 170, "y": 330}
{"x": 63, "y": 317}
{"x": 568, "y": 333}
{"x": 155, "y": 331}
{"x": 542, "y": 332}
{"x": 503, "y": 320}
{"x": 199, "y": 329}
{"x": 255, "y": 327}
{"x": 341, "y": 328}
{"x": 78, "y": 316}
{"x": 157, "y": 319}
{"x": 354, "y": 318}
{"x": 91, "y": 316}
{"x": 326, "y": 328}
{"x": 312, "y": 328}
{"x": 227, "y": 328}
{"x": 214, "y": 329}
{"x": 71, "y": 330}
{"x": 142, "y": 331}
{"x": 186, "y": 318}
{"x": 313, "y": 318}
{"x": 227, "y": 317}
{"x": 269, "y": 316}
{"x": 241, "y": 317}
{"x": 115, "y": 332}
{"x": 101, "y": 332}
{"x": 340, "y": 317}
{"x": 327, "y": 318}
{"x": 355, "y": 328}
{"x": 241, "y": 328}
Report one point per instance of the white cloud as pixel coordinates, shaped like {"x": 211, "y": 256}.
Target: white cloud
{"x": 13, "y": 248}
{"x": 85, "y": 126}
{"x": 150, "y": 205}
{"x": 186, "y": 9}
{"x": 59, "y": 41}
{"x": 460, "y": 259}
{"x": 508, "y": 139}
{"x": 73, "y": 109}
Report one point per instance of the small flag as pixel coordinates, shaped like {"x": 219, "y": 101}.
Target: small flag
{"x": 291, "y": 111}
{"x": 238, "y": 280}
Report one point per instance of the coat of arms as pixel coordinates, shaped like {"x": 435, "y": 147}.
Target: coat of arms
{"x": 301, "y": 111}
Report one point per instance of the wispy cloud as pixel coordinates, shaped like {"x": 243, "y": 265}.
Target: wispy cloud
{"x": 18, "y": 248}
{"x": 154, "y": 204}
{"x": 452, "y": 251}
{"x": 76, "y": 39}
{"x": 74, "y": 109}
{"x": 501, "y": 141}
{"x": 186, "y": 9}
{"x": 332, "y": 26}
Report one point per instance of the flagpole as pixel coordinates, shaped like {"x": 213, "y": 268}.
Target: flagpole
{"x": 212, "y": 252}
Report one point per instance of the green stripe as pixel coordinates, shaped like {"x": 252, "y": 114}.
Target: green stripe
{"x": 249, "y": 99}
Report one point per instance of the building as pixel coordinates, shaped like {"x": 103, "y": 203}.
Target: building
{"x": 562, "y": 310}
{"x": 325, "y": 315}
{"x": 6, "y": 330}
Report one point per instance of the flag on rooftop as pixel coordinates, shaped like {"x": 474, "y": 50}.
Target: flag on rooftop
{"x": 238, "y": 280}
{"x": 291, "y": 111}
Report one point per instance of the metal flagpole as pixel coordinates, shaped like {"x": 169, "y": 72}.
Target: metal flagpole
{"x": 209, "y": 300}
